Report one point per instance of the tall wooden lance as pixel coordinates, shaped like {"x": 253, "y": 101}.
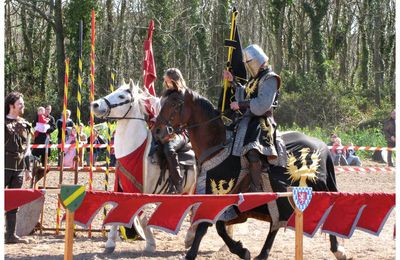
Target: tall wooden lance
{"x": 230, "y": 51}
{"x": 234, "y": 64}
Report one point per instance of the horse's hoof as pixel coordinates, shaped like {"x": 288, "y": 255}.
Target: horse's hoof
{"x": 340, "y": 254}
{"x": 189, "y": 238}
{"x": 109, "y": 250}
{"x": 260, "y": 258}
{"x": 150, "y": 248}
{"x": 247, "y": 255}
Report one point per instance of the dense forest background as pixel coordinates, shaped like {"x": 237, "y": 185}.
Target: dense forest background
{"x": 336, "y": 57}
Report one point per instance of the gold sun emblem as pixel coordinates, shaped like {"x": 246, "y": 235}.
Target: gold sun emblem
{"x": 219, "y": 188}
{"x": 305, "y": 171}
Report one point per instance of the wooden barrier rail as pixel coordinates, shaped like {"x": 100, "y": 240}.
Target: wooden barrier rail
{"x": 75, "y": 192}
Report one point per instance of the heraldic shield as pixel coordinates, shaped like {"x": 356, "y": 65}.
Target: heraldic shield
{"x": 302, "y": 197}
{"x": 72, "y": 196}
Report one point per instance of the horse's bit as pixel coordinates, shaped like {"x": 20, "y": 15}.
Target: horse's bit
{"x": 110, "y": 106}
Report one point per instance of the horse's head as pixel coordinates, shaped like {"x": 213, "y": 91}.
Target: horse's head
{"x": 119, "y": 103}
{"x": 171, "y": 116}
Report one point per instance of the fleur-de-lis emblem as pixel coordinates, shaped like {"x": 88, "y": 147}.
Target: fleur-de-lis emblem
{"x": 219, "y": 188}
{"x": 305, "y": 171}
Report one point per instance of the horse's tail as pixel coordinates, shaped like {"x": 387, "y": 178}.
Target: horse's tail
{"x": 331, "y": 177}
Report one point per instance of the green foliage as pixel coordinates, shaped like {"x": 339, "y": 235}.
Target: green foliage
{"x": 359, "y": 137}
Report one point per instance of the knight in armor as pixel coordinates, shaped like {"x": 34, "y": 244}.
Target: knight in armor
{"x": 174, "y": 81}
{"x": 256, "y": 135}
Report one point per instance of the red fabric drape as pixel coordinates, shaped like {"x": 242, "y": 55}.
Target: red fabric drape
{"x": 171, "y": 209}
{"x": 341, "y": 213}
{"x": 14, "y": 198}
{"x": 133, "y": 164}
{"x": 149, "y": 66}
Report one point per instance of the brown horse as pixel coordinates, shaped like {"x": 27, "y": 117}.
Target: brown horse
{"x": 188, "y": 110}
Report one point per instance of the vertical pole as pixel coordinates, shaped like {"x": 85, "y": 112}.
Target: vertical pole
{"x": 46, "y": 158}
{"x": 299, "y": 234}
{"x": 92, "y": 59}
{"x": 63, "y": 140}
{"x": 230, "y": 51}
{"x": 108, "y": 155}
{"x": 69, "y": 236}
{"x": 79, "y": 103}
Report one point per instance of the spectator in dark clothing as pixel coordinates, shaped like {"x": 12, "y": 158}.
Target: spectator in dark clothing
{"x": 17, "y": 135}
{"x": 41, "y": 137}
{"x": 351, "y": 157}
{"x": 389, "y": 129}
{"x": 113, "y": 160}
{"x": 97, "y": 139}
{"x": 69, "y": 123}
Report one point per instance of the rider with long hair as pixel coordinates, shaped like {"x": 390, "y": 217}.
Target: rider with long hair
{"x": 174, "y": 81}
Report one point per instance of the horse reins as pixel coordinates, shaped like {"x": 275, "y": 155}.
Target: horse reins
{"x": 110, "y": 106}
{"x": 178, "y": 108}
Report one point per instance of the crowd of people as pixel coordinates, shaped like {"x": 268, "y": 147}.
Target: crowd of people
{"x": 44, "y": 125}
{"x": 346, "y": 155}
{"x": 343, "y": 155}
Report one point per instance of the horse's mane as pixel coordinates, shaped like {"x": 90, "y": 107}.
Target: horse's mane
{"x": 206, "y": 106}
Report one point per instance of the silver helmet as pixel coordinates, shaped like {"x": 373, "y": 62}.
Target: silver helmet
{"x": 254, "y": 58}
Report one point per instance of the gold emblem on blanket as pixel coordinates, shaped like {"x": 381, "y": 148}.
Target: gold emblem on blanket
{"x": 305, "y": 171}
{"x": 219, "y": 188}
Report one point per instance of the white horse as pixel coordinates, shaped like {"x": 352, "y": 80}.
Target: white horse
{"x": 127, "y": 105}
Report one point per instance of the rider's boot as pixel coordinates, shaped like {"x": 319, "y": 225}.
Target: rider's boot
{"x": 10, "y": 236}
{"x": 255, "y": 166}
{"x": 175, "y": 173}
{"x": 255, "y": 175}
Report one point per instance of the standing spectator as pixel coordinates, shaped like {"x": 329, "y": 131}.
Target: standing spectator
{"x": 82, "y": 140}
{"x": 389, "y": 129}
{"x": 17, "y": 135}
{"x": 332, "y": 139}
{"x": 42, "y": 124}
{"x": 69, "y": 123}
{"x": 41, "y": 137}
{"x": 97, "y": 139}
{"x": 351, "y": 157}
{"x": 70, "y": 152}
{"x": 112, "y": 151}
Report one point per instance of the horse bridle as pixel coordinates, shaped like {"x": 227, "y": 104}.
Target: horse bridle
{"x": 178, "y": 109}
{"x": 167, "y": 122}
{"x": 111, "y": 106}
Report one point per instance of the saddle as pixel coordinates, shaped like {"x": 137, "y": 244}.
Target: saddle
{"x": 186, "y": 157}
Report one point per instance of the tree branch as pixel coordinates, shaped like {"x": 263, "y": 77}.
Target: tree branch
{"x": 48, "y": 18}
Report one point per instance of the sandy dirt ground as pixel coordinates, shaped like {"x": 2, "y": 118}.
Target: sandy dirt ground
{"x": 252, "y": 234}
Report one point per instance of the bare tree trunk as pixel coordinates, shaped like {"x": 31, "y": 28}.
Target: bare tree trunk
{"x": 377, "y": 55}
{"x": 60, "y": 48}
{"x": 46, "y": 59}
{"x": 120, "y": 31}
{"x": 28, "y": 66}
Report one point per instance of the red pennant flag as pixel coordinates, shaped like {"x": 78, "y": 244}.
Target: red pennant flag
{"x": 149, "y": 67}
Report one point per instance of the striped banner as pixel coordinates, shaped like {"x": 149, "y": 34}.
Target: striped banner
{"x": 54, "y": 146}
{"x": 364, "y": 169}
{"x": 84, "y": 169}
{"x": 365, "y": 148}
{"x": 360, "y": 148}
